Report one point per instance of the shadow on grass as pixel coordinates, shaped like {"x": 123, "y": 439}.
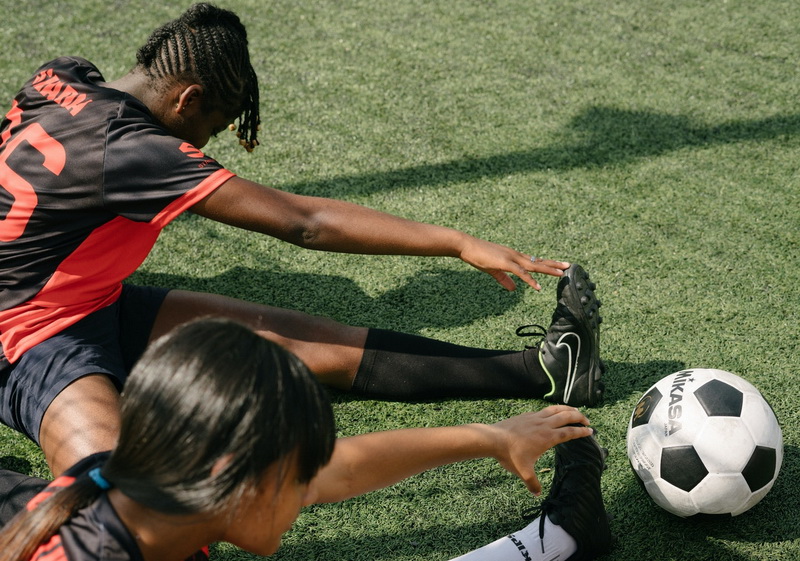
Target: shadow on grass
{"x": 598, "y": 136}
{"x": 647, "y": 532}
{"x": 468, "y": 297}
{"x": 642, "y": 530}
{"x": 626, "y": 379}
{"x": 431, "y": 542}
{"x": 430, "y": 299}
{"x": 15, "y": 463}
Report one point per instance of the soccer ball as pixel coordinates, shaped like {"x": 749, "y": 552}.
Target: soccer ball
{"x": 704, "y": 441}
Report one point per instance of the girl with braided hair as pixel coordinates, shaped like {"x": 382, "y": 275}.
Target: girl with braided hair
{"x": 224, "y": 437}
{"x": 92, "y": 171}
{"x": 209, "y": 46}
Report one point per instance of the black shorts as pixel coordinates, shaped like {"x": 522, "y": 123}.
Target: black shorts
{"x": 109, "y": 342}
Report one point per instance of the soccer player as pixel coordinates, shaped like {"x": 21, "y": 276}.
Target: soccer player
{"x": 92, "y": 170}
{"x": 227, "y": 440}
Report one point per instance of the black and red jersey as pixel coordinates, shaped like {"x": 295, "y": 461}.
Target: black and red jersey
{"x": 95, "y": 533}
{"x": 88, "y": 178}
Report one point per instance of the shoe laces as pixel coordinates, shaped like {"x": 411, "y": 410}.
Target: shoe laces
{"x": 556, "y": 499}
{"x": 538, "y": 331}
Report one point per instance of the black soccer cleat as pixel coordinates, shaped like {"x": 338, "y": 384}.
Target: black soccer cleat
{"x": 570, "y": 350}
{"x": 575, "y": 501}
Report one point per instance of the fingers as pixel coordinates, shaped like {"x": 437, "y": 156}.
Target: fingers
{"x": 530, "y": 265}
{"x": 561, "y": 415}
{"x": 556, "y": 424}
{"x": 532, "y": 483}
{"x": 525, "y": 469}
{"x": 526, "y": 277}
{"x": 524, "y": 438}
{"x": 549, "y": 426}
{"x": 546, "y": 266}
{"x": 564, "y": 419}
{"x": 564, "y": 434}
{"x": 500, "y": 261}
{"x": 505, "y": 281}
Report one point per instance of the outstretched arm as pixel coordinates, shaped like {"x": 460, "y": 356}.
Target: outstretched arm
{"x": 333, "y": 225}
{"x": 372, "y": 461}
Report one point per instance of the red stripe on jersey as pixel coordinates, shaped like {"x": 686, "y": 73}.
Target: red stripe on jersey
{"x": 50, "y": 551}
{"x": 191, "y": 198}
{"x": 52, "y": 487}
{"x": 91, "y": 277}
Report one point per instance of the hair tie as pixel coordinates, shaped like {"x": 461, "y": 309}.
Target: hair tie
{"x": 99, "y": 480}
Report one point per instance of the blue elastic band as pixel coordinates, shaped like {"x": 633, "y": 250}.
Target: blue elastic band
{"x": 99, "y": 480}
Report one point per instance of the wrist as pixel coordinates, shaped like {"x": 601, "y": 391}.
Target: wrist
{"x": 486, "y": 441}
{"x": 462, "y": 243}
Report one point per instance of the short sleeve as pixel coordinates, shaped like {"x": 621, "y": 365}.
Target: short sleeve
{"x": 146, "y": 170}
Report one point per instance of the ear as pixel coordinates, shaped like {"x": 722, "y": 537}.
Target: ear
{"x": 190, "y": 99}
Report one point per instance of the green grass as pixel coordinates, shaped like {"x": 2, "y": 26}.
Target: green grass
{"x": 657, "y": 143}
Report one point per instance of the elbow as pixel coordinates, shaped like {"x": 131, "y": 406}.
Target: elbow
{"x": 309, "y": 234}
{"x": 308, "y": 237}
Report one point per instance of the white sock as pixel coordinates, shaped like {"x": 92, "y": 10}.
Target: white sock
{"x": 525, "y": 545}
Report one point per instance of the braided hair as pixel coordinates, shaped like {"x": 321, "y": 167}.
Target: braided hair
{"x": 209, "y": 45}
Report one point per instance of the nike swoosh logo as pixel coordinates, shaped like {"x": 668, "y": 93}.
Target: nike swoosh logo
{"x": 572, "y": 362}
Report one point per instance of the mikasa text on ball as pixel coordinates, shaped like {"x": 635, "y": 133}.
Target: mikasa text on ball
{"x": 704, "y": 441}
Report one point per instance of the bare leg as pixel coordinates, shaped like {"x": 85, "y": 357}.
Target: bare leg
{"x": 81, "y": 420}
{"x": 332, "y": 350}
{"x": 84, "y": 418}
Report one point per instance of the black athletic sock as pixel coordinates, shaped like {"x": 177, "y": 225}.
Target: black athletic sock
{"x": 401, "y": 366}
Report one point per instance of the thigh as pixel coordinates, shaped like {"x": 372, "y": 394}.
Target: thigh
{"x": 28, "y": 387}
{"x": 83, "y": 419}
{"x": 332, "y": 350}
{"x": 63, "y": 393}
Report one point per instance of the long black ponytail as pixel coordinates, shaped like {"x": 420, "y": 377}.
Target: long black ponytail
{"x": 211, "y": 393}
{"x": 20, "y": 539}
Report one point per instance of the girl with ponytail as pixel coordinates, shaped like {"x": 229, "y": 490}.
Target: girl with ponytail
{"x": 225, "y": 436}
{"x": 208, "y": 413}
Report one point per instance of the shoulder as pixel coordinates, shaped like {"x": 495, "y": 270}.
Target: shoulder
{"x": 71, "y": 65}
{"x": 70, "y": 62}
{"x": 79, "y": 537}
{"x": 97, "y": 532}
